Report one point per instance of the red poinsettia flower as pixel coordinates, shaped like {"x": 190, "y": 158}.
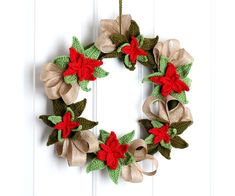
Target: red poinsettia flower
{"x": 160, "y": 134}
{"x": 111, "y": 151}
{"x": 66, "y": 125}
{"x": 170, "y": 81}
{"x": 82, "y": 66}
{"x": 133, "y": 50}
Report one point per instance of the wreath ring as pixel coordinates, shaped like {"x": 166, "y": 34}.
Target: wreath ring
{"x": 170, "y": 66}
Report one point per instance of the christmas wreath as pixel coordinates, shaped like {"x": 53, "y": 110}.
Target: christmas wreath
{"x": 65, "y": 75}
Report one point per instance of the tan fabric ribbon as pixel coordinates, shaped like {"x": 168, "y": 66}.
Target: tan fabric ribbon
{"x": 177, "y": 114}
{"x": 171, "y": 49}
{"x": 134, "y": 172}
{"x": 54, "y": 84}
{"x": 75, "y": 151}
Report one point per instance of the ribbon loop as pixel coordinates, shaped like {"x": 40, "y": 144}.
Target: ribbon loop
{"x": 75, "y": 151}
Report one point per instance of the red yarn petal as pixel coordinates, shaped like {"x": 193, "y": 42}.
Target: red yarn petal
{"x": 111, "y": 161}
{"x": 73, "y": 54}
{"x": 170, "y": 70}
{"x": 156, "y": 79}
{"x": 102, "y": 155}
{"x": 69, "y": 72}
{"x": 166, "y": 89}
{"x": 127, "y": 50}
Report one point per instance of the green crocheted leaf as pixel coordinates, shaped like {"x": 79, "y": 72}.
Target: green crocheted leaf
{"x": 95, "y": 164}
{"x": 126, "y": 139}
{"x": 84, "y": 85}
{"x": 146, "y": 124}
{"x": 62, "y": 61}
{"x": 178, "y": 142}
{"x": 187, "y": 81}
{"x": 149, "y": 139}
{"x": 114, "y": 54}
{"x": 128, "y": 63}
{"x": 151, "y": 61}
{"x": 123, "y": 45}
{"x": 140, "y": 39}
{"x": 183, "y": 70}
{"x": 180, "y": 97}
{"x": 181, "y": 126}
{"x": 71, "y": 79}
{"x": 60, "y": 139}
{"x": 86, "y": 124}
{"x": 92, "y": 52}
{"x": 165, "y": 145}
{"x": 55, "y": 119}
{"x": 164, "y": 152}
{"x": 59, "y": 107}
{"x": 142, "y": 59}
{"x": 44, "y": 118}
{"x": 149, "y": 44}
{"x": 152, "y": 148}
{"x": 104, "y": 135}
{"x": 100, "y": 73}
{"x": 114, "y": 174}
{"x": 71, "y": 112}
{"x": 163, "y": 64}
{"x": 118, "y": 39}
{"x": 157, "y": 92}
{"x": 78, "y": 107}
{"x": 172, "y": 132}
{"x": 53, "y": 138}
{"x": 129, "y": 159}
{"x": 134, "y": 29}
{"x": 156, "y": 123}
{"x": 77, "y": 45}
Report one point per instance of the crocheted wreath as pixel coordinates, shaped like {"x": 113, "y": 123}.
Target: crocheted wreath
{"x": 170, "y": 66}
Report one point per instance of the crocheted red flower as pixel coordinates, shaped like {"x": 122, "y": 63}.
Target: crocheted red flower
{"x": 133, "y": 50}
{"x": 82, "y": 66}
{"x": 170, "y": 81}
{"x": 160, "y": 134}
{"x": 111, "y": 151}
{"x": 66, "y": 125}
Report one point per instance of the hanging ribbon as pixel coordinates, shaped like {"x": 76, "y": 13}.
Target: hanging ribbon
{"x": 54, "y": 84}
{"x": 172, "y": 115}
{"x": 75, "y": 151}
{"x": 134, "y": 172}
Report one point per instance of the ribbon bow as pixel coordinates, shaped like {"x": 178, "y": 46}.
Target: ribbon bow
{"x": 134, "y": 172}
{"x": 171, "y": 110}
{"x": 75, "y": 151}
{"x": 54, "y": 84}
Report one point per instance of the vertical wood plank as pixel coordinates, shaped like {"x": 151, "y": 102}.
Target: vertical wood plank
{"x": 189, "y": 169}
{"x": 56, "y": 23}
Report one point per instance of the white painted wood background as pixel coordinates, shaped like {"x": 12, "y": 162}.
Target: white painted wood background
{"x": 33, "y": 32}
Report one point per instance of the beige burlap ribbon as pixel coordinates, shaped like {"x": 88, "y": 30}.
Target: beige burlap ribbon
{"x": 54, "y": 84}
{"x": 178, "y": 114}
{"x": 109, "y": 27}
{"x": 134, "y": 172}
{"x": 75, "y": 151}
{"x": 171, "y": 49}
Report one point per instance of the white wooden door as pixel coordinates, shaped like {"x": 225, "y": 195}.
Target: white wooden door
{"x": 33, "y": 32}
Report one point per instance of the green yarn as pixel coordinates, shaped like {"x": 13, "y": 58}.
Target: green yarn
{"x": 71, "y": 112}
{"x": 127, "y": 62}
{"x": 172, "y": 132}
{"x": 78, "y": 107}
{"x": 104, "y": 135}
{"x": 123, "y": 45}
{"x": 149, "y": 139}
{"x": 165, "y": 145}
{"x": 142, "y": 59}
{"x": 86, "y": 124}
{"x": 77, "y": 45}
{"x": 44, "y": 118}
{"x": 129, "y": 159}
{"x": 71, "y": 79}
{"x": 163, "y": 64}
{"x": 60, "y": 139}
{"x": 53, "y": 138}
{"x": 126, "y": 139}
{"x": 115, "y": 174}
{"x": 181, "y": 126}
{"x": 62, "y": 62}
{"x": 164, "y": 152}
{"x": 95, "y": 164}
{"x": 178, "y": 142}
{"x": 83, "y": 84}
{"x": 157, "y": 92}
{"x": 183, "y": 70}
{"x": 100, "y": 73}
{"x": 92, "y": 52}
{"x": 149, "y": 44}
{"x": 140, "y": 39}
{"x": 181, "y": 97}
{"x": 118, "y": 39}
{"x": 187, "y": 81}
{"x": 134, "y": 29}
{"x": 55, "y": 119}
{"x": 156, "y": 123}
{"x": 146, "y": 123}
